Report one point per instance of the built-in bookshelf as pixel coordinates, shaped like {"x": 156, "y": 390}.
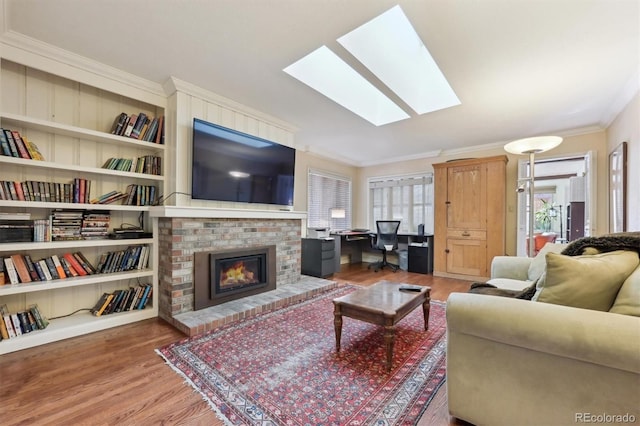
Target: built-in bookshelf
{"x": 69, "y": 114}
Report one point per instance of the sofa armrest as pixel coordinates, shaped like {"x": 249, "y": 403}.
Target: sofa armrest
{"x": 513, "y": 267}
{"x": 580, "y": 334}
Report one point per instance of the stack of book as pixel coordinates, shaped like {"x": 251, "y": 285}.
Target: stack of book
{"x": 139, "y": 126}
{"x": 19, "y": 323}
{"x": 95, "y": 225}
{"x": 12, "y": 144}
{"x": 123, "y": 300}
{"x": 140, "y": 195}
{"x": 109, "y": 197}
{"x": 66, "y": 225}
{"x": 16, "y": 227}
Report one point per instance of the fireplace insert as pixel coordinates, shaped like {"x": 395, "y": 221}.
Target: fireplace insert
{"x": 225, "y": 275}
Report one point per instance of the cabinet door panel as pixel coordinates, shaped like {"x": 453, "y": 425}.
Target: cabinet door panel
{"x": 467, "y": 197}
{"x": 468, "y": 257}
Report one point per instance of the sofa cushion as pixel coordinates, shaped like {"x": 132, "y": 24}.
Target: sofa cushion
{"x": 590, "y": 282}
{"x": 538, "y": 263}
{"x": 628, "y": 299}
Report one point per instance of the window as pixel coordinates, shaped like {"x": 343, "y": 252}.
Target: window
{"x": 405, "y": 198}
{"x": 328, "y": 193}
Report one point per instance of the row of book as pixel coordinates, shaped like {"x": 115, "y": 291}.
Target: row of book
{"x": 130, "y": 299}
{"x": 22, "y": 269}
{"x": 139, "y": 126}
{"x": 12, "y": 144}
{"x": 149, "y": 164}
{"x": 23, "y": 322}
{"x": 133, "y": 257}
{"x": 140, "y": 195}
{"x": 53, "y": 192}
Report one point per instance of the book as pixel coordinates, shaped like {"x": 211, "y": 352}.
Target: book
{"x": 9, "y": 325}
{"x": 34, "y": 152}
{"x": 21, "y": 268}
{"x": 3, "y": 277}
{"x": 84, "y": 262}
{"x": 45, "y": 269}
{"x": 3, "y": 328}
{"x": 16, "y": 324}
{"x": 68, "y": 269}
{"x": 52, "y": 268}
{"x": 99, "y": 303}
{"x": 25, "y": 326}
{"x": 41, "y": 320}
{"x": 141, "y": 120}
{"x": 104, "y": 305}
{"x": 75, "y": 264}
{"x": 22, "y": 148}
{"x": 130, "y": 124}
{"x": 12, "y": 143}
{"x": 31, "y": 267}
{"x": 11, "y": 271}
{"x": 58, "y": 266}
{"x": 4, "y": 144}
{"x": 39, "y": 271}
{"x": 118, "y": 123}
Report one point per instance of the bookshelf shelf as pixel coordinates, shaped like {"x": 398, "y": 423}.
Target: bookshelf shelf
{"x": 75, "y": 325}
{"x": 15, "y": 120}
{"x": 72, "y": 169}
{"x": 8, "y": 289}
{"x": 71, "y": 206}
{"x": 77, "y": 244}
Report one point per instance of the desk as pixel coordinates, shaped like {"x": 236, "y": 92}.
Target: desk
{"x": 353, "y": 244}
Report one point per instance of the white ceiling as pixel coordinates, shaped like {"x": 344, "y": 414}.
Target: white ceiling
{"x": 520, "y": 67}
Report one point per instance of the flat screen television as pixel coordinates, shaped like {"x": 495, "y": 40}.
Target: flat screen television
{"x": 233, "y": 166}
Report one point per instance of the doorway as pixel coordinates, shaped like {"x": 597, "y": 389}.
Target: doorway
{"x": 564, "y": 199}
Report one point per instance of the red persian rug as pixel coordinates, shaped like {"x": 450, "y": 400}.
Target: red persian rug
{"x": 281, "y": 367}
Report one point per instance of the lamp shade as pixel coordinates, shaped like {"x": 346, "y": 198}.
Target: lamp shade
{"x": 337, "y": 213}
{"x": 535, "y": 144}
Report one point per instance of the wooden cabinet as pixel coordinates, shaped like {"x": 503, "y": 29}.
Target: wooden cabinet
{"x": 470, "y": 214}
{"x": 70, "y": 121}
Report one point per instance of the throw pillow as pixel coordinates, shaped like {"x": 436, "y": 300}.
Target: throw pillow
{"x": 628, "y": 299}
{"x": 589, "y": 282}
{"x": 538, "y": 263}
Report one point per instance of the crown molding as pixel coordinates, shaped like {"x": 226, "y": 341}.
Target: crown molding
{"x": 621, "y": 100}
{"x": 174, "y": 84}
{"x": 37, "y": 54}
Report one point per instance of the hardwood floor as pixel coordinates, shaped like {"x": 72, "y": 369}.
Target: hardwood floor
{"x": 115, "y": 377}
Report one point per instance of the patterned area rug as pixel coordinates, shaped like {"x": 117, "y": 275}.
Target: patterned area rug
{"x": 281, "y": 367}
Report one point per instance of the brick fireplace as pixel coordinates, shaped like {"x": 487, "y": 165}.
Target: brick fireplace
{"x": 185, "y": 232}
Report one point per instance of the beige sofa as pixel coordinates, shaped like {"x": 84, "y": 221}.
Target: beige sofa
{"x": 525, "y": 362}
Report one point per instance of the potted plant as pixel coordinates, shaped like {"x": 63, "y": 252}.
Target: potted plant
{"x": 544, "y": 216}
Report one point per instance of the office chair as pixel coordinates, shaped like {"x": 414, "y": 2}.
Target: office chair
{"x": 387, "y": 236}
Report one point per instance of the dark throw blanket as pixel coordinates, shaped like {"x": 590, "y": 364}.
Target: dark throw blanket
{"x": 612, "y": 242}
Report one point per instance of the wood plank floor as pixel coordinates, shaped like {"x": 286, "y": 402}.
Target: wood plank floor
{"x": 115, "y": 377}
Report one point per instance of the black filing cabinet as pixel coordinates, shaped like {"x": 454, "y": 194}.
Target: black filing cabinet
{"x": 318, "y": 256}
{"x": 421, "y": 256}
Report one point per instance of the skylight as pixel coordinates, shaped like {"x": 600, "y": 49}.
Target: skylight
{"x": 325, "y": 72}
{"x": 390, "y": 47}
{"x": 392, "y": 50}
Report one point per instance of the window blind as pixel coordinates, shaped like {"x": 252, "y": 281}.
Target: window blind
{"x": 328, "y": 191}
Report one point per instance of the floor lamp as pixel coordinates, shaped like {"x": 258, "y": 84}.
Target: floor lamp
{"x": 532, "y": 146}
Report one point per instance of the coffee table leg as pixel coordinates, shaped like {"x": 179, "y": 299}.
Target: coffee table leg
{"x": 426, "y": 306}
{"x": 337, "y": 324}
{"x": 389, "y": 340}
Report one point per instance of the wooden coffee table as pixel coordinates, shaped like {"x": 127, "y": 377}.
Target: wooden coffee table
{"x": 382, "y": 304}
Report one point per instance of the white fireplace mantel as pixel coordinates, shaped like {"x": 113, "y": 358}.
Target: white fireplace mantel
{"x": 223, "y": 213}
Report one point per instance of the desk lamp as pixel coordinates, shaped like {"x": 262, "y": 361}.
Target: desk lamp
{"x": 337, "y": 213}
{"x": 532, "y": 146}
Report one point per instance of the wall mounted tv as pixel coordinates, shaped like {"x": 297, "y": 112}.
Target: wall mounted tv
{"x": 232, "y": 166}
